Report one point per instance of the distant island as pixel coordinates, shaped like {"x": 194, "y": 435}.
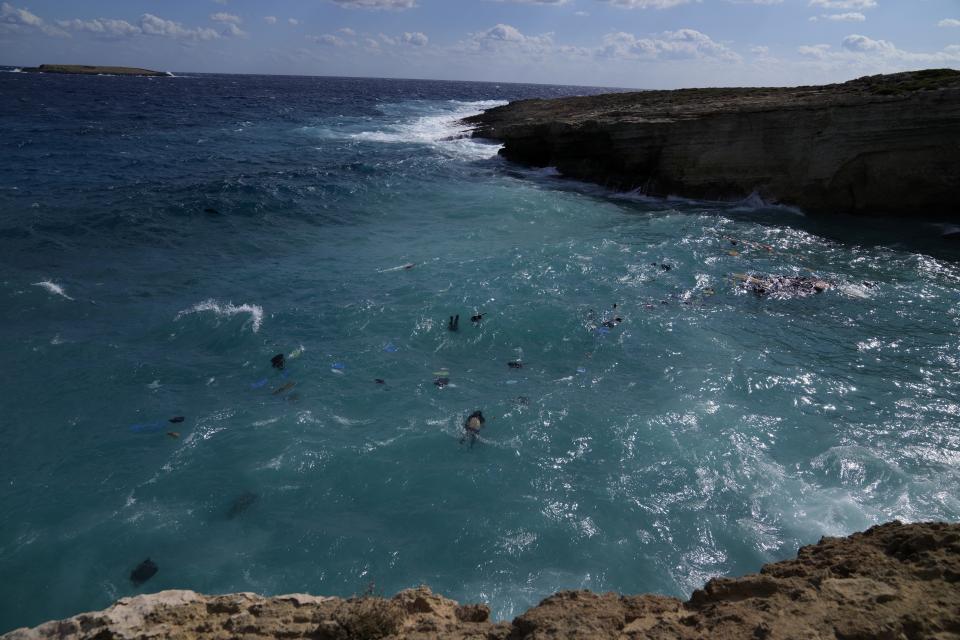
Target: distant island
{"x": 85, "y": 69}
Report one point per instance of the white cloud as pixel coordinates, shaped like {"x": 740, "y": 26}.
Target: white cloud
{"x": 647, "y": 4}
{"x": 220, "y": 1}
{"x": 760, "y": 50}
{"x": 103, "y": 27}
{"x": 818, "y": 51}
{"x": 549, "y": 2}
{"x": 293, "y": 21}
{"x": 416, "y": 39}
{"x": 233, "y": 31}
{"x": 376, "y": 4}
{"x": 863, "y": 44}
{"x": 949, "y": 22}
{"x": 864, "y": 54}
{"x": 504, "y": 33}
{"x": 347, "y": 31}
{"x": 225, "y": 17}
{"x": 844, "y": 4}
{"x": 13, "y": 19}
{"x": 852, "y": 16}
{"x": 680, "y": 44}
{"x": 505, "y": 38}
{"x": 151, "y": 25}
{"x": 755, "y": 1}
{"x": 328, "y": 39}
{"x": 156, "y": 26}
{"x": 270, "y": 19}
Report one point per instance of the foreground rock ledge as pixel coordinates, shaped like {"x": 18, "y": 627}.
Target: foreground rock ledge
{"x": 893, "y": 581}
{"x": 880, "y": 145}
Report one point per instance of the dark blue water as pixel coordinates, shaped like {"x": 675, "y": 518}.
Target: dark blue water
{"x": 162, "y": 239}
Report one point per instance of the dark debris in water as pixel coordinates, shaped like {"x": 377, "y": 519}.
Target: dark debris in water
{"x": 143, "y": 572}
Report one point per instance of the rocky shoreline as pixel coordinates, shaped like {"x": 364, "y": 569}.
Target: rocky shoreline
{"x": 89, "y": 70}
{"x": 892, "y": 581}
{"x": 882, "y": 145}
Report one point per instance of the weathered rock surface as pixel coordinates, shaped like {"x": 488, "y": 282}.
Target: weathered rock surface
{"x": 84, "y": 69}
{"x": 893, "y": 582}
{"x": 880, "y": 145}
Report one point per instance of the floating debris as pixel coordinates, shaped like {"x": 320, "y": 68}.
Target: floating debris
{"x": 144, "y": 571}
{"x": 242, "y": 502}
{"x": 783, "y": 286}
{"x": 285, "y": 387}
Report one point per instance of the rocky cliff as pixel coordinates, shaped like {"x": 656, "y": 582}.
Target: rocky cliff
{"x": 881, "y": 145}
{"x": 893, "y": 581}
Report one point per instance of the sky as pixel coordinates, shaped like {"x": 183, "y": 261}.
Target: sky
{"x": 649, "y": 44}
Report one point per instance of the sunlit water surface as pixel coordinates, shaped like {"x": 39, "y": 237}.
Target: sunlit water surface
{"x": 161, "y": 240}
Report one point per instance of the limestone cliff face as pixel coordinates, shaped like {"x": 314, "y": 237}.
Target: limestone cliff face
{"x": 892, "y": 582}
{"x": 883, "y": 145}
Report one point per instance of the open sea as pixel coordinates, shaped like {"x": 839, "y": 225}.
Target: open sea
{"x": 162, "y": 239}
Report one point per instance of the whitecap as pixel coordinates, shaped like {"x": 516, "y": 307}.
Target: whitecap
{"x": 756, "y": 202}
{"x": 52, "y": 287}
{"x": 229, "y": 309}
{"x": 855, "y": 291}
{"x": 444, "y": 131}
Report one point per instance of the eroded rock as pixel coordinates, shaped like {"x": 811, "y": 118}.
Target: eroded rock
{"x": 893, "y": 581}
{"x": 880, "y": 145}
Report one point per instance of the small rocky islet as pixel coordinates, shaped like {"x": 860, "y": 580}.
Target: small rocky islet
{"x": 94, "y": 70}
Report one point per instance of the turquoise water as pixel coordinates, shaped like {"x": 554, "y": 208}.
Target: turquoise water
{"x": 709, "y": 432}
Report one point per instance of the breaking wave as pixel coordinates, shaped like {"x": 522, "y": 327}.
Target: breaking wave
{"x": 229, "y": 309}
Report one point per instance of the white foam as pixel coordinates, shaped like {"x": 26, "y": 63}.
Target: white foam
{"x": 229, "y": 309}
{"x": 52, "y": 287}
{"x": 444, "y": 131}
{"x": 755, "y": 202}
{"x": 855, "y": 291}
